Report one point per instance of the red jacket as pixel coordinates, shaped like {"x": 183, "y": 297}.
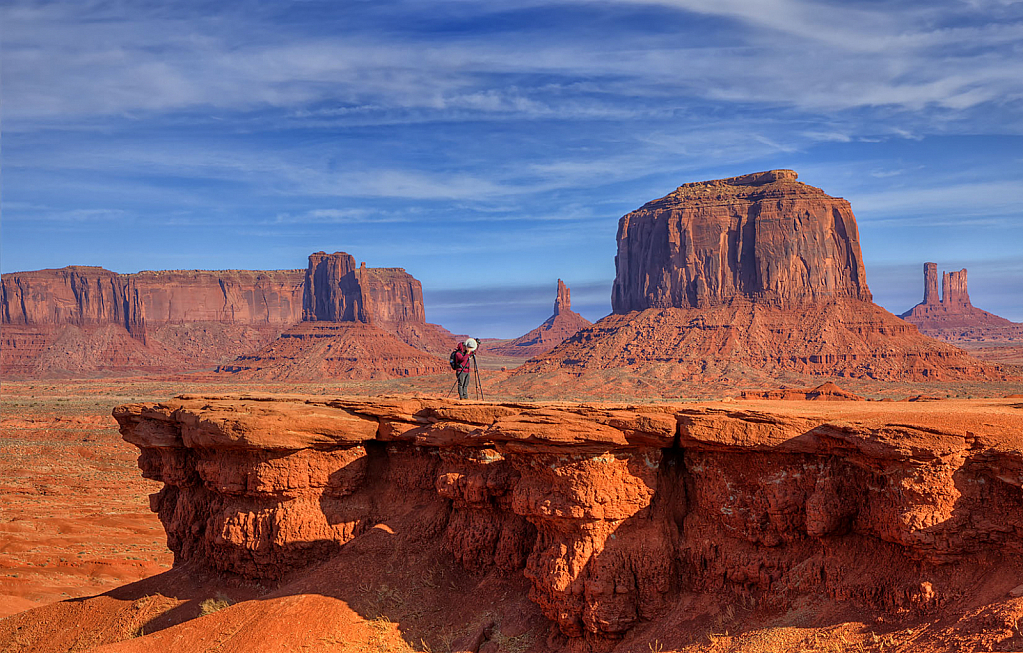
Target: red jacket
{"x": 463, "y": 358}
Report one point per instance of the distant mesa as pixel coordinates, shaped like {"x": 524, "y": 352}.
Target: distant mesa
{"x": 83, "y": 320}
{"x": 349, "y": 318}
{"x": 824, "y": 392}
{"x": 951, "y": 316}
{"x": 746, "y": 279}
{"x": 559, "y": 326}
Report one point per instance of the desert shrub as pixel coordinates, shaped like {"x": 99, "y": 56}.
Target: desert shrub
{"x": 213, "y": 604}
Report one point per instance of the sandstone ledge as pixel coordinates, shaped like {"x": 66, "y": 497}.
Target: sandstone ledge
{"x": 611, "y": 511}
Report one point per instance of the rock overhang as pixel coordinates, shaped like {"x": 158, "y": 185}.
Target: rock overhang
{"x": 650, "y": 499}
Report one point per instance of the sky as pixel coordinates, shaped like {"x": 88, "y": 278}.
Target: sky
{"x": 490, "y": 147}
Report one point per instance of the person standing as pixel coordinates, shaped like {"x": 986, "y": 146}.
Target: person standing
{"x": 463, "y": 361}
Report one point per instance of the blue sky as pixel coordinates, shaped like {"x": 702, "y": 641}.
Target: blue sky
{"x": 490, "y": 147}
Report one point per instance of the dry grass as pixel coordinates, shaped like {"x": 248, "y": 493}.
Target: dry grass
{"x": 214, "y": 604}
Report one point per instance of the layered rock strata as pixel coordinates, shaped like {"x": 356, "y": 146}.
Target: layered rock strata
{"x": 952, "y": 317}
{"x": 745, "y": 279}
{"x": 315, "y": 351}
{"x": 352, "y": 318}
{"x": 613, "y": 512}
{"x": 563, "y": 323}
{"x": 87, "y": 319}
{"x": 764, "y": 237}
{"x": 82, "y": 296}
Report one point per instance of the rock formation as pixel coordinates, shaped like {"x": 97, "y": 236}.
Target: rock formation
{"x": 559, "y": 326}
{"x": 83, "y": 319}
{"x": 82, "y": 296}
{"x": 746, "y": 279}
{"x": 952, "y": 317}
{"x": 317, "y": 351}
{"x": 762, "y": 237}
{"x": 334, "y": 289}
{"x": 86, "y": 319}
{"x": 350, "y": 315}
{"x": 824, "y": 392}
{"x": 622, "y": 518}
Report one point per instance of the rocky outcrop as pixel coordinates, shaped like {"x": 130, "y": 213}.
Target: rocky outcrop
{"x": 764, "y": 237}
{"x": 77, "y": 319}
{"x": 824, "y": 392}
{"x": 952, "y": 317}
{"x": 334, "y": 289}
{"x": 614, "y": 513}
{"x": 559, "y": 326}
{"x": 315, "y": 351}
{"x": 355, "y": 324}
{"x": 743, "y": 280}
{"x": 82, "y": 296}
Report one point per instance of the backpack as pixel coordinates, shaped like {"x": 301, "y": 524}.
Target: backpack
{"x": 451, "y": 360}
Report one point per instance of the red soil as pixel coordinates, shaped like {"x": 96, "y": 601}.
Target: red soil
{"x": 74, "y": 519}
{"x": 762, "y": 528}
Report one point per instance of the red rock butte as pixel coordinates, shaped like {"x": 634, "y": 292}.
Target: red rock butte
{"x": 951, "y": 316}
{"x": 86, "y": 319}
{"x": 748, "y": 278}
{"x": 764, "y": 236}
{"x": 559, "y": 326}
{"x": 357, "y": 324}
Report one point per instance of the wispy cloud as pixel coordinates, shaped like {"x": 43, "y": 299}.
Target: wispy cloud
{"x": 71, "y": 59}
{"x": 530, "y": 124}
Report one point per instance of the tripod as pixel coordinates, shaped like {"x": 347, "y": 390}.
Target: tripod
{"x": 476, "y": 377}
{"x": 476, "y": 374}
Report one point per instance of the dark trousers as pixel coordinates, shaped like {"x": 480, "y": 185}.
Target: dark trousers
{"x": 463, "y": 385}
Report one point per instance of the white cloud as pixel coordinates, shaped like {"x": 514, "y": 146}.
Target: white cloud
{"x": 812, "y": 56}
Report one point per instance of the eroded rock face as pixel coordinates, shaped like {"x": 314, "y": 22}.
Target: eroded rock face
{"x": 747, "y": 279}
{"x": 311, "y": 351}
{"x": 559, "y": 326}
{"x": 611, "y": 511}
{"x": 764, "y": 237}
{"x": 952, "y": 317}
{"x": 333, "y": 289}
{"x": 82, "y": 296}
{"x": 80, "y": 318}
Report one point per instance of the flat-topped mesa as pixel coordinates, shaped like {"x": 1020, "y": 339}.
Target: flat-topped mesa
{"x": 764, "y": 237}
{"x": 357, "y": 323}
{"x": 753, "y": 277}
{"x": 333, "y": 289}
{"x": 78, "y": 295}
{"x": 338, "y": 291}
{"x": 262, "y": 299}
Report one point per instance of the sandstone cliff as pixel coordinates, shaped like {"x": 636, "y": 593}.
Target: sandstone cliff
{"x": 355, "y": 324}
{"x": 627, "y": 522}
{"x": 744, "y": 280}
{"x": 87, "y": 319}
{"x": 559, "y": 326}
{"x": 82, "y": 296}
{"x": 251, "y": 297}
{"x": 764, "y": 237}
{"x": 952, "y": 317}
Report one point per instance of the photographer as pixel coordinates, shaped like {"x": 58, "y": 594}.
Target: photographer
{"x": 463, "y": 360}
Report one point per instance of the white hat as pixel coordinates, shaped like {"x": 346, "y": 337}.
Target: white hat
{"x": 471, "y": 344}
